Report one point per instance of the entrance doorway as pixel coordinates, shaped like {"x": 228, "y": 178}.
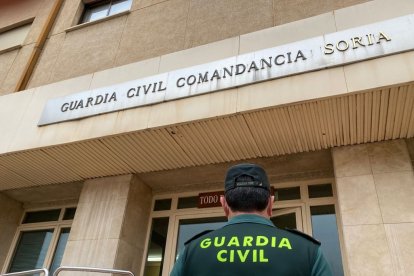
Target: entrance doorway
{"x": 309, "y": 207}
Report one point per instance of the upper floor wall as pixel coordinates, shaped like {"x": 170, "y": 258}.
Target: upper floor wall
{"x": 151, "y": 28}
{"x": 15, "y": 48}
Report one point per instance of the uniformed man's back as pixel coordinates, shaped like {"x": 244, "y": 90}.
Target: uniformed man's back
{"x": 251, "y": 247}
{"x": 249, "y": 244}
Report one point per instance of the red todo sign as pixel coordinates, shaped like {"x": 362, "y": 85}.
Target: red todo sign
{"x": 208, "y": 200}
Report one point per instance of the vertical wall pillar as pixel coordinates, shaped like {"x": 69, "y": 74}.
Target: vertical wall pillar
{"x": 10, "y": 214}
{"x": 110, "y": 225}
{"x": 376, "y": 200}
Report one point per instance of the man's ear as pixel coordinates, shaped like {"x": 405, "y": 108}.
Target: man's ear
{"x": 269, "y": 209}
{"x": 226, "y": 207}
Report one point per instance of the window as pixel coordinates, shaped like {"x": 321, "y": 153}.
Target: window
{"x": 324, "y": 228}
{"x": 101, "y": 9}
{"x": 41, "y": 240}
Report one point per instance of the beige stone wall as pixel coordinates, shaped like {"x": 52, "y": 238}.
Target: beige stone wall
{"x": 13, "y": 13}
{"x": 375, "y": 185}
{"x": 23, "y": 110}
{"x": 109, "y": 229}
{"x": 155, "y": 28}
{"x": 10, "y": 214}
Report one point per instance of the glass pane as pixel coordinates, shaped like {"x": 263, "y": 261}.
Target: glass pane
{"x": 190, "y": 227}
{"x": 42, "y": 216}
{"x": 69, "y": 213}
{"x": 156, "y": 247}
{"x": 187, "y": 202}
{"x": 162, "y": 204}
{"x": 323, "y": 190}
{"x": 31, "y": 250}
{"x": 287, "y": 193}
{"x": 95, "y": 12}
{"x": 120, "y": 6}
{"x": 285, "y": 221}
{"x": 60, "y": 249}
{"x": 325, "y": 230}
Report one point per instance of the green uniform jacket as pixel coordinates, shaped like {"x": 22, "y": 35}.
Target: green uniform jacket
{"x": 251, "y": 245}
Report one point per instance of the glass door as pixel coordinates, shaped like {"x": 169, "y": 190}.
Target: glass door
{"x": 288, "y": 218}
{"x": 188, "y": 228}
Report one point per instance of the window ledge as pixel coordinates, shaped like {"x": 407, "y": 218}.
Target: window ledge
{"x": 15, "y": 47}
{"x": 79, "y": 26}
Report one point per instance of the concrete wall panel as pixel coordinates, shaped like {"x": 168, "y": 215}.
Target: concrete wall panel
{"x": 10, "y": 214}
{"x": 376, "y": 207}
{"x": 215, "y": 20}
{"x": 47, "y": 61}
{"x": 89, "y": 49}
{"x": 286, "y": 11}
{"x": 153, "y": 31}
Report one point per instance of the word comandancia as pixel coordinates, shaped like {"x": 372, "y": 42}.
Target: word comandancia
{"x": 246, "y": 248}
{"x": 241, "y": 68}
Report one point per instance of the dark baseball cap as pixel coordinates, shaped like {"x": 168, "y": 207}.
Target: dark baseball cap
{"x": 246, "y": 175}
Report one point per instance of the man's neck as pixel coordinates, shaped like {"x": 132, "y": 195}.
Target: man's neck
{"x": 258, "y": 213}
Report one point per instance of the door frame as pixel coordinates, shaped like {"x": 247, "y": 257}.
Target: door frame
{"x": 304, "y": 203}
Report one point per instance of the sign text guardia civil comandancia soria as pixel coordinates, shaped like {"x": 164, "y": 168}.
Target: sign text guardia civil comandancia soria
{"x": 200, "y": 78}
{"x": 321, "y": 52}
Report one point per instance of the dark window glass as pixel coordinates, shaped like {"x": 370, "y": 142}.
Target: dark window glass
{"x": 156, "y": 247}
{"x": 187, "y": 202}
{"x": 31, "y": 250}
{"x": 325, "y": 229}
{"x": 287, "y": 193}
{"x": 323, "y": 190}
{"x": 285, "y": 221}
{"x": 95, "y": 12}
{"x": 42, "y": 216}
{"x": 162, "y": 204}
{"x": 69, "y": 213}
{"x": 60, "y": 249}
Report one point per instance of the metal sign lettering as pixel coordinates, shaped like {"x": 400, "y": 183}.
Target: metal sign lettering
{"x": 335, "y": 49}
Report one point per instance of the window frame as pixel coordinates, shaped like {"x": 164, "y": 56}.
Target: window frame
{"x": 305, "y": 202}
{"x": 57, "y": 227}
{"x": 89, "y": 6}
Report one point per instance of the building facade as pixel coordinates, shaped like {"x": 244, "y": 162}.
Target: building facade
{"x": 118, "y": 120}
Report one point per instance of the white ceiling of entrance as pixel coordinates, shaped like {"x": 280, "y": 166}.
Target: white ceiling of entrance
{"x": 309, "y": 126}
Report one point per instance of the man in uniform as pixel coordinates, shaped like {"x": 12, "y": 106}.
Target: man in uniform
{"x": 249, "y": 244}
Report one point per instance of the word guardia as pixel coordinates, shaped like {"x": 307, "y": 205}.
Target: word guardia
{"x": 317, "y": 53}
{"x": 251, "y": 247}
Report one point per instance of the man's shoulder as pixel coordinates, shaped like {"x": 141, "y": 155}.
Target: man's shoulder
{"x": 299, "y": 234}
{"x": 199, "y": 235}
